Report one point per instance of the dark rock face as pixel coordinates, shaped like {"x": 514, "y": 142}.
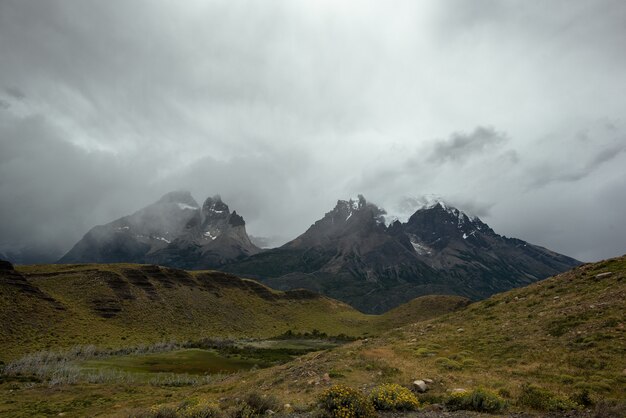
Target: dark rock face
{"x": 175, "y": 231}
{"x": 351, "y": 255}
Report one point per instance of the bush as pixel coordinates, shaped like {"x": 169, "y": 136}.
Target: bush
{"x": 447, "y": 364}
{"x": 393, "y": 397}
{"x": 260, "y": 404}
{"x": 609, "y": 409}
{"x": 540, "y": 399}
{"x": 481, "y": 400}
{"x": 342, "y": 401}
{"x": 582, "y": 398}
{"x": 185, "y": 410}
{"x": 202, "y": 410}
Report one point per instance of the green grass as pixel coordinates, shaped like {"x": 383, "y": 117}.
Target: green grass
{"x": 187, "y": 361}
{"x": 565, "y": 336}
{"x": 185, "y": 306}
{"x": 204, "y": 304}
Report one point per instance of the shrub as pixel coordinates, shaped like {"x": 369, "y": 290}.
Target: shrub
{"x": 447, "y": 364}
{"x": 260, "y": 404}
{"x": 342, "y": 401}
{"x": 393, "y": 397}
{"x": 425, "y": 352}
{"x": 159, "y": 411}
{"x": 543, "y": 400}
{"x": 185, "y": 410}
{"x": 582, "y": 398}
{"x": 481, "y": 400}
{"x": 202, "y": 410}
{"x": 610, "y": 408}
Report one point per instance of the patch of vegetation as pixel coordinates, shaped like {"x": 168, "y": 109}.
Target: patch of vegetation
{"x": 342, "y": 401}
{"x": 543, "y": 400}
{"x": 448, "y": 364}
{"x": 393, "y": 397}
{"x": 184, "y": 410}
{"x": 481, "y": 400}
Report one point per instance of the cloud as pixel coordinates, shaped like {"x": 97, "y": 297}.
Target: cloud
{"x": 460, "y": 146}
{"x": 285, "y": 107}
{"x": 15, "y": 93}
{"x": 588, "y": 152}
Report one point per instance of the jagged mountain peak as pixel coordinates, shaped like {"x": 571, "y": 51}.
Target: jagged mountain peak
{"x": 215, "y": 208}
{"x": 345, "y": 209}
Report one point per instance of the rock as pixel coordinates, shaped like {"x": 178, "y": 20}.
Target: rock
{"x": 460, "y": 330}
{"x": 326, "y": 377}
{"x": 428, "y": 381}
{"x": 420, "y": 386}
{"x": 458, "y": 390}
{"x": 603, "y": 275}
{"x": 287, "y": 406}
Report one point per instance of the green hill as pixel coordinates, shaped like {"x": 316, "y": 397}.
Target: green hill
{"x": 52, "y": 307}
{"x": 114, "y": 305}
{"x": 565, "y": 334}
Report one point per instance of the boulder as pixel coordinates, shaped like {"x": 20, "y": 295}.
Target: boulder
{"x": 420, "y": 386}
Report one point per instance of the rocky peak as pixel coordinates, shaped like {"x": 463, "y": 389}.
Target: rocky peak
{"x": 346, "y": 210}
{"x": 437, "y": 224}
{"x": 236, "y": 220}
{"x": 214, "y": 208}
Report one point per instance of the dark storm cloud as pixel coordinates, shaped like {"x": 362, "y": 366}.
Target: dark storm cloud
{"x": 283, "y": 107}
{"x": 15, "y": 93}
{"x": 460, "y": 146}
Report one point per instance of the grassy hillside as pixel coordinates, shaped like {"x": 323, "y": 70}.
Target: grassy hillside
{"x": 566, "y": 334}
{"x": 114, "y": 305}
{"x": 541, "y": 347}
{"x": 51, "y": 307}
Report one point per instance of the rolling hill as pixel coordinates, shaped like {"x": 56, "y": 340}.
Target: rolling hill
{"x": 114, "y": 305}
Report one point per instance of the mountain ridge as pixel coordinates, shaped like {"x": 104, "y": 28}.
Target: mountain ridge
{"x": 352, "y": 255}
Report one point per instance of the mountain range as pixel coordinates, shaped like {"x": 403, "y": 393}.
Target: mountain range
{"x": 350, "y": 254}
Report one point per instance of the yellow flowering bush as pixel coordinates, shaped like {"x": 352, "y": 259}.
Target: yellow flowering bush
{"x": 342, "y": 401}
{"x": 393, "y": 397}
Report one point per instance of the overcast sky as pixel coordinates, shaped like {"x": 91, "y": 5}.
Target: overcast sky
{"x": 512, "y": 110}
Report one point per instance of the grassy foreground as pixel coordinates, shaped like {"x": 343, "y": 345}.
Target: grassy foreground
{"x": 552, "y": 346}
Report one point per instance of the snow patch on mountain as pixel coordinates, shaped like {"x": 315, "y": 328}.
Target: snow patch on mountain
{"x": 185, "y": 206}
{"x": 419, "y": 248}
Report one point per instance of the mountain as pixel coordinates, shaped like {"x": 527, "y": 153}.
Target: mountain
{"x": 173, "y": 231}
{"x": 352, "y": 255}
